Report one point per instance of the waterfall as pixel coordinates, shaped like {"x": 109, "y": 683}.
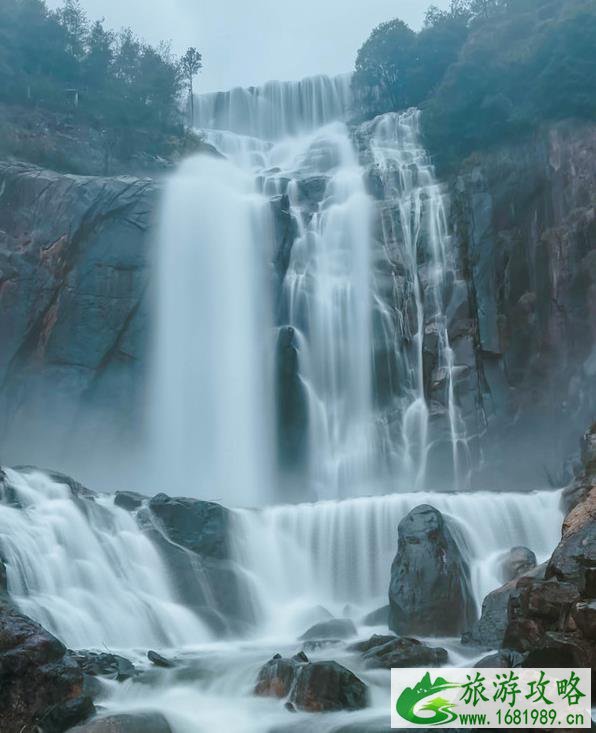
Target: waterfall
{"x": 277, "y": 109}
{"x": 336, "y": 553}
{"x": 210, "y": 414}
{"x": 85, "y": 571}
{"x": 416, "y": 217}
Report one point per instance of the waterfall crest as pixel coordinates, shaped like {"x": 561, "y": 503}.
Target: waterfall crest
{"x": 277, "y": 109}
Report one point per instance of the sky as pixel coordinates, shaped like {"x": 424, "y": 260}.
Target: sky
{"x": 247, "y": 42}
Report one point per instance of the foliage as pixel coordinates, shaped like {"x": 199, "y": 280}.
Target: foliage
{"x": 190, "y": 64}
{"x": 59, "y": 60}
{"x": 398, "y": 68}
{"x": 485, "y": 70}
{"x": 531, "y": 61}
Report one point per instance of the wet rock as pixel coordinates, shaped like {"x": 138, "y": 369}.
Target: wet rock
{"x": 585, "y": 480}
{"x": 535, "y": 607}
{"x": 126, "y": 723}
{"x": 517, "y": 562}
{"x": 107, "y": 665}
{"x": 38, "y": 677}
{"x": 159, "y": 661}
{"x": 60, "y": 718}
{"x": 584, "y": 615}
{"x": 73, "y": 318}
{"x": 337, "y": 628}
{"x": 405, "y": 652}
{"x": 574, "y": 559}
{"x": 277, "y": 676}
{"x": 199, "y": 526}
{"x": 559, "y": 649}
{"x": 505, "y": 659}
{"x": 129, "y": 500}
{"x": 429, "y": 592}
{"x": 374, "y": 641}
{"x": 489, "y": 631}
{"x": 380, "y": 617}
{"x": 327, "y": 686}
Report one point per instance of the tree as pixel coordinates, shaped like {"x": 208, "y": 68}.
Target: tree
{"x": 191, "y": 63}
{"x": 380, "y": 81}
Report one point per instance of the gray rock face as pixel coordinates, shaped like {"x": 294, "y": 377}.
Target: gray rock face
{"x": 525, "y": 220}
{"x": 336, "y": 628}
{"x": 429, "y": 593}
{"x": 73, "y": 278}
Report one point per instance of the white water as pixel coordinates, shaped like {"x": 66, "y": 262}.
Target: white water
{"x": 337, "y": 553}
{"x": 211, "y": 407}
{"x": 86, "y": 572}
{"x": 277, "y": 109}
{"x": 416, "y": 215}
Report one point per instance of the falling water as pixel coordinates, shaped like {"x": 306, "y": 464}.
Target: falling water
{"x": 415, "y": 217}
{"x": 277, "y": 109}
{"x": 210, "y": 414}
{"x": 337, "y": 553}
{"x": 84, "y": 570}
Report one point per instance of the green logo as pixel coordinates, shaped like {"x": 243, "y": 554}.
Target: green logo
{"x": 408, "y": 704}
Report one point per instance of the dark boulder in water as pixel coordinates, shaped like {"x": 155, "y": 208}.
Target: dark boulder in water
{"x": 336, "y": 628}
{"x": 129, "y": 500}
{"x": 327, "y": 686}
{"x": 159, "y": 661}
{"x": 380, "y": 617}
{"x": 102, "y": 664}
{"x": 429, "y": 592}
{"x": 198, "y": 526}
{"x": 403, "y": 652}
{"x": 39, "y": 677}
{"x": 517, "y": 562}
{"x": 126, "y": 723}
{"x": 277, "y": 676}
{"x": 375, "y": 640}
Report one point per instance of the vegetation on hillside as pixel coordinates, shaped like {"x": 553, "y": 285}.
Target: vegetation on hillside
{"x": 62, "y": 62}
{"x": 483, "y": 71}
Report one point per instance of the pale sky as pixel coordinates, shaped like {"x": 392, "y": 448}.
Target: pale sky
{"x": 246, "y": 42}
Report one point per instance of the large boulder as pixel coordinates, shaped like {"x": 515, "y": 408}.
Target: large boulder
{"x": 335, "y": 628}
{"x": 380, "y": 617}
{"x": 326, "y": 686}
{"x": 489, "y": 630}
{"x": 126, "y": 723}
{"x": 404, "y": 652}
{"x": 277, "y": 676}
{"x": 312, "y": 687}
{"x": 517, "y": 562}
{"x": 430, "y": 591}
{"x": 574, "y": 560}
{"x": 199, "y": 526}
{"x": 39, "y": 681}
{"x": 535, "y": 608}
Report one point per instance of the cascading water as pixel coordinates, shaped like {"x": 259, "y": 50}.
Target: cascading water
{"x": 415, "y": 217}
{"x": 211, "y": 407}
{"x": 85, "y": 571}
{"x": 337, "y": 553}
{"x": 277, "y": 109}
{"x": 360, "y": 291}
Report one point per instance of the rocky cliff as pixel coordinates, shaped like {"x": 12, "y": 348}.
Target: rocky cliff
{"x": 74, "y": 312}
{"x": 74, "y": 255}
{"x": 525, "y": 218}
